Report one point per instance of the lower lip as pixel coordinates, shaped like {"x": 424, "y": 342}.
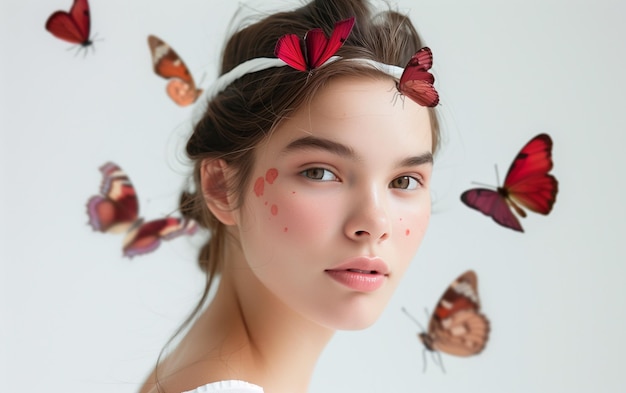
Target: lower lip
{"x": 363, "y": 282}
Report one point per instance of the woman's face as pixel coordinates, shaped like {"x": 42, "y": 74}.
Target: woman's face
{"x": 339, "y": 202}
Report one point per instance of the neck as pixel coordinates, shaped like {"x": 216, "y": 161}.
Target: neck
{"x": 256, "y": 336}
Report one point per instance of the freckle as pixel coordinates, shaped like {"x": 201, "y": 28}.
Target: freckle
{"x": 293, "y": 192}
{"x": 271, "y": 175}
{"x": 258, "y": 186}
{"x": 407, "y": 232}
{"x": 265, "y": 203}
{"x": 285, "y": 229}
{"x": 274, "y": 210}
{"x": 400, "y": 218}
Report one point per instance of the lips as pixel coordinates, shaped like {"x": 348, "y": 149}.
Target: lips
{"x": 360, "y": 274}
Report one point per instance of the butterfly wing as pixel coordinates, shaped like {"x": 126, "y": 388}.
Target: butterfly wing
{"x": 289, "y": 49}
{"x": 457, "y": 327}
{"x": 116, "y": 209}
{"x": 416, "y": 82}
{"x": 74, "y": 26}
{"x": 146, "y": 237}
{"x": 319, "y": 48}
{"x": 491, "y": 203}
{"x": 167, "y": 64}
{"x": 527, "y": 181}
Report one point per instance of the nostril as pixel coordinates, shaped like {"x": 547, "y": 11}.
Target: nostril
{"x": 360, "y": 233}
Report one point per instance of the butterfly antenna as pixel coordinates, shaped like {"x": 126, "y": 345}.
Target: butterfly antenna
{"x": 497, "y": 175}
{"x": 438, "y": 360}
{"x": 482, "y": 184}
{"x": 424, "y": 359}
{"x": 413, "y": 319}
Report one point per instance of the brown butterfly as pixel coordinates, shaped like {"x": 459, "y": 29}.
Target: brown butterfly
{"x": 167, "y": 64}
{"x": 456, "y": 327}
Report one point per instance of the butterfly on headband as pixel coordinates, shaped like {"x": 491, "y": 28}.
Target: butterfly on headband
{"x": 167, "y": 64}
{"x": 74, "y": 26}
{"x": 456, "y": 327}
{"x": 316, "y": 49}
{"x": 416, "y": 82}
{"x": 116, "y": 210}
{"x": 527, "y": 183}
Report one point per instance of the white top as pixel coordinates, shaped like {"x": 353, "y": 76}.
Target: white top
{"x": 229, "y": 387}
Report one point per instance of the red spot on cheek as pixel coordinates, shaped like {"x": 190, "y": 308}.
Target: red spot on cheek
{"x": 407, "y": 232}
{"x": 285, "y": 229}
{"x": 274, "y": 210}
{"x": 271, "y": 175}
{"x": 259, "y": 185}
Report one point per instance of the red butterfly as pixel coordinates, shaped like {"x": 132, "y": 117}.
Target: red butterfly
{"x": 116, "y": 210}
{"x": 317, "y": 48}
{"x": 527, "y": 183}
{"x": 73, "y": 26}
{"x": 416, "y": 82}
{"x": 167, "y": 64}
{"x": 456, "y": 327}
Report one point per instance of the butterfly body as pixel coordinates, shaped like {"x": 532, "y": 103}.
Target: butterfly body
{"x": 316, "y": 49}
{"x": 181, "y": 87}
{"x": 116, "y": 210}
{"x": 73, "y": 26}
{"x": 527, "y": 184}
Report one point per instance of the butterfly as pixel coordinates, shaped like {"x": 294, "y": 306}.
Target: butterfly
{"x": 167, "y": 64}
{"x": 116, "y": 210}
{"x": 527, "y": 183}
{"x": 317, "y": 47}
{"x": 416, "y": 82}
{"x": 457, "y": 326}
{"x": 74, "y": 26}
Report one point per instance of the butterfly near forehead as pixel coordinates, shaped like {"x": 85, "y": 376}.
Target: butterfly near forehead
{"x": 73, "y": 26}
{"x": 181, "y": 87}
{"x": 116, "y": 210}
{"x": 457, "y": 326}
{"x": 527, "y": 184}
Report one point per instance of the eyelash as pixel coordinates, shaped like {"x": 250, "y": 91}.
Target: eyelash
{"x": 413, "y": 183}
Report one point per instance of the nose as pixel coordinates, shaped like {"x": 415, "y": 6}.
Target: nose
{"x": 368, "y": 219}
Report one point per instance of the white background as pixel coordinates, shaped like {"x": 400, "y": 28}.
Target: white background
{"x": 76, "y": 317}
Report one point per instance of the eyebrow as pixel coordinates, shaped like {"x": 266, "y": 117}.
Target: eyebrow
{"x": 311, "y": 142}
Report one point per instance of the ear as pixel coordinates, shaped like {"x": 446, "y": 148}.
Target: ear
{"x": 214, "y": 176}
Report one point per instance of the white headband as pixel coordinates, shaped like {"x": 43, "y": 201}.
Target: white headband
{"x": 263, "y": 63}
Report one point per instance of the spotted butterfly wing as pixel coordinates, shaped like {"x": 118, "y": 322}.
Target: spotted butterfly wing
{"x": 527, "y": 184}
{"x": 74, "y": 26}
{"x": 116, "y": 210}
{"x": 457, "y": 327}
{"x": 317, "y": 47}
{"x": 416, "y": 82}
{"x": 181, "y": 87}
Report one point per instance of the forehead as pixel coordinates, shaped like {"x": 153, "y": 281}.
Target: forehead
{"x": 358, "y": 112}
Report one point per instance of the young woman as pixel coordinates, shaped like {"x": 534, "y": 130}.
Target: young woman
{"x": 313, "y": 177}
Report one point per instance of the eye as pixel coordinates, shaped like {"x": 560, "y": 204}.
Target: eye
{"x": 319, "y": 174}
{"x": 405, "y": 183}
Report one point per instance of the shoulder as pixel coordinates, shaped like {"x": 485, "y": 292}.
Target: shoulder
{"x": 232, "y": 386}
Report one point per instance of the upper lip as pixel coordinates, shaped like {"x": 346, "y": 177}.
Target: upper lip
{"x": 368, "y": 264}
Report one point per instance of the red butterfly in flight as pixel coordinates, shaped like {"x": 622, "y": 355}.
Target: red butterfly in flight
{"x": 74, "y": 26}
{"x": 527, "y": 183}
{"x": 317, "y": 48}
{"x": 416, "y": 82}
{"x": 456, "y": 327}
{"x": 167, "y": 64}
{"x": 117, "y": 210}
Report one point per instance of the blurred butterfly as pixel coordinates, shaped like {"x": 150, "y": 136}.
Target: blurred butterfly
{"x": 116, "y": 210}
{"x": 416, "y": 82}
{"x": 74, "y": 26}
{"x": 316, "y": 48}
{"x": 167, "y": 64}
{"x": 456, "y": 326}
{"x": 527, "y": 183}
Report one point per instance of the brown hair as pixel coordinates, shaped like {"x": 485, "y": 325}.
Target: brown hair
{"x": 241, "y": 116}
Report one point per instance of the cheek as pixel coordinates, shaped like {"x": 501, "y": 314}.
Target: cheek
{"x": 411, "y": 227}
